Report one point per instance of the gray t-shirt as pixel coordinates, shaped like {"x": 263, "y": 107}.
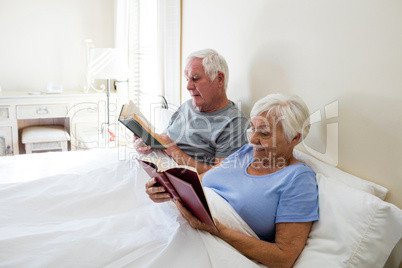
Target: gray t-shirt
{"x": 204, "y": 136}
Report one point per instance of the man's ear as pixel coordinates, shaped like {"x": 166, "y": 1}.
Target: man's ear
{"x": 221, "y": 79}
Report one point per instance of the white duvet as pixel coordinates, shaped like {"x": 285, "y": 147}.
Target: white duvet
{"x": 95, "y": 213}
{"x": 89, "y": 209}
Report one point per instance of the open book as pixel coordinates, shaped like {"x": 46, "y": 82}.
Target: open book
{"x": 135, "y": 121}
{"x": 184, "y": 184}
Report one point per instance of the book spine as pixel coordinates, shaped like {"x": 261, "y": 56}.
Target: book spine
{"x": 164, "y": 181}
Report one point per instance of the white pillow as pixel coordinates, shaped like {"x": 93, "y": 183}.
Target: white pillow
{"x": 225, "y": 213}
{"x": 356, "y": 229}
{"x": 165, "y": 119}
{"x": 335, "y": 173}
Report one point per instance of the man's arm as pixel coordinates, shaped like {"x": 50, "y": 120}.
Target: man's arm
{"x": 174, "y": 151}
{"x": 182, "y": 158}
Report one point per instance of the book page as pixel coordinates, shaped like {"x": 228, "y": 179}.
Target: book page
{"x": 165, "y": 164}
{"x": 161, "y": 164}
{"x": 131, "y": 110}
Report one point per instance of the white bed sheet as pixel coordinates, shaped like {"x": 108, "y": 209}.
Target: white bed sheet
{"x": 96, "y": 214}
{"x": 89, "y": 209}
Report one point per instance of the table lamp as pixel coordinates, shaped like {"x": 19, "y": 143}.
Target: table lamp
{"x": 107, "y": 63}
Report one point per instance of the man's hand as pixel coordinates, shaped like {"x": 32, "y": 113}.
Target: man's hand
{"x": 172, "y": 149}
{"x": 158, "y": 194}
{"x": 140, "y": 146}
{"x": 182, "y": 158}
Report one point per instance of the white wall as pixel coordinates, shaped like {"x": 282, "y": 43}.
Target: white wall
{"x": 324, "y": 51}
{"x": 42, "y": 41}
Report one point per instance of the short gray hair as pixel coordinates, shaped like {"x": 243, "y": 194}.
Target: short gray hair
{"x": 212, "y": 63}
{"x": 291, "y": 110}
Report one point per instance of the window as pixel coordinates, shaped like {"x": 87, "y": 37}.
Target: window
{"x": 153, "y": 53}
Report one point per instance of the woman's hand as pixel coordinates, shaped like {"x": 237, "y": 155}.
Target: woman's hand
{"x": 158, "y": 194}
{"x": 140, "y": 146}
{"x": 290, "y": 240}
{"x": 194, "y": 221}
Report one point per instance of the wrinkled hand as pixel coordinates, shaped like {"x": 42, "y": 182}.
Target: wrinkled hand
{"x": 158, "y": 194}
{"x": 140, "y": 146}
{"x": 194, "y": 221}
{"x": 172, "y": 148}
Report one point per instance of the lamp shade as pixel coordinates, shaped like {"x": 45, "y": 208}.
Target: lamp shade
{"x": 107, "y": 63}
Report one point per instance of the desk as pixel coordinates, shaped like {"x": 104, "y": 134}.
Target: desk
{"x": 75, "y": 110}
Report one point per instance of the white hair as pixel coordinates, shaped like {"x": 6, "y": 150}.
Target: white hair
{"x": 290, "y": 111}
{"x": 212, "y": 63}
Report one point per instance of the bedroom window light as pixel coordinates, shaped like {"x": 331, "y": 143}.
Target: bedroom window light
{"x": 154, "y": 53}
{"x": 142, "y": 53}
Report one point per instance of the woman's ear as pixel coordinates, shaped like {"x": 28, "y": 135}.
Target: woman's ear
{"x": 296, "y": 139}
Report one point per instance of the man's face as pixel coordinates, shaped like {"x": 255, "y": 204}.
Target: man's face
{"x": 203, "y": 92}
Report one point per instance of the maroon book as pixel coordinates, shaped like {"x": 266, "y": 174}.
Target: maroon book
{"x": 184, "y": 184}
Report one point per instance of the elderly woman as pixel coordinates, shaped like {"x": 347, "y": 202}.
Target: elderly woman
{"x": 275, "y": 194}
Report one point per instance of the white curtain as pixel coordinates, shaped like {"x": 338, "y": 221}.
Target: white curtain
{"x": 169, "y": 36}
{"x": 149, "y": 30}
{"x": 121, "y": 41}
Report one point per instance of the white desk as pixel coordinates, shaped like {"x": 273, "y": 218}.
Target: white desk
{"x": 74, "y": 110}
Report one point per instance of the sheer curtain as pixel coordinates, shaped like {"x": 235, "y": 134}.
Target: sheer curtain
{"x": 169, "y": 49}
{"x": 121, "y": 41}
{"x": 149, "y": 30}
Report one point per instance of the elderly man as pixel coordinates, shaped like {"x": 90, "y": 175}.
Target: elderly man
{"x": 209, "y": 127}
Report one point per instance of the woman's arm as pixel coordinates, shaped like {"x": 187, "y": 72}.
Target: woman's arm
{"x": 290, "y": 239}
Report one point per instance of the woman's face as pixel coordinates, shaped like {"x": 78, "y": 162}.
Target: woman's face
{"x": 270, "y": 146}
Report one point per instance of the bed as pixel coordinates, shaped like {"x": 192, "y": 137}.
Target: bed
{"x": 89, "y": 209}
